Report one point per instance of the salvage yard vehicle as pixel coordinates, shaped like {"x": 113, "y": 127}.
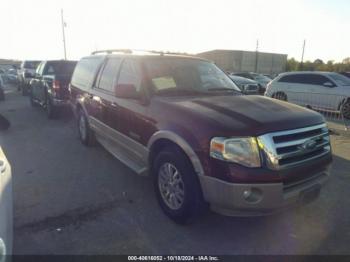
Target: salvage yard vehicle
{"x": 6, "y": 207}
{"x": 322, "y": 91}
{"x": 25, "y": 74}
{"x": 183, "y": 121}
{"x": 49, "y": 87}
{"x": 261, "y": 79}
{"x": 247, "y": 86}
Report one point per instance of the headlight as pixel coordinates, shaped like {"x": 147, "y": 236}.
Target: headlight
{"x": 242, "y": 151}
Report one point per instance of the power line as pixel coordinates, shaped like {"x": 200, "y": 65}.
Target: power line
{"x": 64, "y": 36}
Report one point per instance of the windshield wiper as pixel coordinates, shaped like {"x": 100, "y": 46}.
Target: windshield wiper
{"x": 177, "y": 91}
{"x": 220, "y": 89}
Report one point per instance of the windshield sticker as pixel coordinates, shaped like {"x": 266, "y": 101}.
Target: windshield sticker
{"x": 164, "y": 82}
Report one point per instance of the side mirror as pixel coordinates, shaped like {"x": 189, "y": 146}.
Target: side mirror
{"x": 328, "y": 84}
{"x": 126, "y": 91}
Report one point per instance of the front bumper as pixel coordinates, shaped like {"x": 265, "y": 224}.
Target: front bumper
{"x": 235, "y": 199}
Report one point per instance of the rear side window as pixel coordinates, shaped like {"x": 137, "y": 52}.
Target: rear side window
{"x": 84, "y": 73}
{"x": 109, "y": 74}
{"x": 60, "y": 68}
{"x": 309, "y": 79}
{"x": 130, "y": 74}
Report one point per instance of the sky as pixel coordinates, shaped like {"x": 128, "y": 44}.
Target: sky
{"x": 32, "y": 29}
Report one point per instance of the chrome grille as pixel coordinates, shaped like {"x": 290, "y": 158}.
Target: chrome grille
{"x": 290, "y": 148}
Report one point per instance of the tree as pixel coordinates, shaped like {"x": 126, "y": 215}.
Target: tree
{"x": 346, "y": 60}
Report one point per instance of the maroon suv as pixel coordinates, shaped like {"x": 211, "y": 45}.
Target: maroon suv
{"x": 182, "y": 120}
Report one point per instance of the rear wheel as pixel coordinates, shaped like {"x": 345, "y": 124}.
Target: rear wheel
{"x": 31, "y": 99}
{"x": 51, "y": 110}
{"x": 86, "y": 135}
{"x": 176, "y": 186}
{"x": 24, "y": 90}
{"x": 345, "y": 109}
{"x": 2, "y": 94}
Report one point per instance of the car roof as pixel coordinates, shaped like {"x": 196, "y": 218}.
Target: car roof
{"x": 325, "y": 73}
{"x": 145, "y": 54}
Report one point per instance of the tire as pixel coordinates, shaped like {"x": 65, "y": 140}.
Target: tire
{"x": 280, "y": 96}
{"x": 185, "y": 201}
{"x": 86, "y": 135}
{"x": 345, "y": 109}
{"x": 24, "y": 90}
{"x": 31, "y": 99}
{"x": 51, "y": 110}
{"x": 2, "y": 94}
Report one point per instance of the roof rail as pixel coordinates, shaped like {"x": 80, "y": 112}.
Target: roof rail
{"x": 110, "y": 51}
{"x": 130, "y": 51}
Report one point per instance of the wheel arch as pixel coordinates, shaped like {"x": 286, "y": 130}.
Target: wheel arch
{"x": 162, "y": 139}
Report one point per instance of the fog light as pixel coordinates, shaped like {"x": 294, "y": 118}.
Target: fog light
{"x": 252, "y": 195}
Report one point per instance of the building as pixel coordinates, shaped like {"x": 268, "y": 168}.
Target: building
{"x": 246, "y": 61}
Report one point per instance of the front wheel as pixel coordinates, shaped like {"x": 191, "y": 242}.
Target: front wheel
{"x": 177, "y": 187}
{"x": 280, "y": 96}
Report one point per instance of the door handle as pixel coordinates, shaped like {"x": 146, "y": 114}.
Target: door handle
{"x": 113, "y": 104}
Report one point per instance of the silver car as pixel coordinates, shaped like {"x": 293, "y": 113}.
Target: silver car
{"x": 6, "y": 213}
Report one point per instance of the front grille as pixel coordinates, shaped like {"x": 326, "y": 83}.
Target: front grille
{"x": 293, "y": 147}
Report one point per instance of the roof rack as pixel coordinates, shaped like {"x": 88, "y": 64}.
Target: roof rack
{"x": 110, "y": 51}
{"x": 130, "y": 51}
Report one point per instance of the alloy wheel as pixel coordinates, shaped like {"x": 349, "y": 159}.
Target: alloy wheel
{"x": 171, "y": 186}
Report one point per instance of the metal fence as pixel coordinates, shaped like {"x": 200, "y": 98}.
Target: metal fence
{"x": 335, "y": 108}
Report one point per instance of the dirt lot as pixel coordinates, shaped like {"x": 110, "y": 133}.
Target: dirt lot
{"x": 69, "y": 199}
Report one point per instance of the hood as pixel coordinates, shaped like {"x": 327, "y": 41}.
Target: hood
{"x": 248, "y": 115}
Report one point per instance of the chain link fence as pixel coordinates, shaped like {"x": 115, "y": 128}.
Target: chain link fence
{"x": 335, "y": 108}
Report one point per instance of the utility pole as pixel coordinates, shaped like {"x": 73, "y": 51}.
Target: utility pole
{"x": 256, "y": 55}
{"x": 302, "y": 55}
{"x": 64, "y": 36}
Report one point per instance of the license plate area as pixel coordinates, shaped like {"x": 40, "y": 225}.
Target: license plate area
{"x": 310, "y": 194}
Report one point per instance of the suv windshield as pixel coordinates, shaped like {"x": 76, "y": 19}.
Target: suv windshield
{"x": 187, "y": 75}
{"x": 340, "y": 79}
{"x": 31, "y": 64}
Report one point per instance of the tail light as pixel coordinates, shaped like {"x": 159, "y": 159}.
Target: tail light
{"x": 56, "y": 85}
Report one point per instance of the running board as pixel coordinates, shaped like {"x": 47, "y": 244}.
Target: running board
{"x": 121, "y": 155}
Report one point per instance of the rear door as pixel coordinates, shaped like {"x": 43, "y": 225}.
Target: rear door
{"x": 323, "y": 97}
{"x": 102, "y": 97}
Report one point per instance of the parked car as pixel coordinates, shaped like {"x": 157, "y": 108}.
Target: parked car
{"x": 247, "y": 86}
{"x": 347, "y": 74}
{"x": 49, "y": 87}
{"x": 11, "y": 75}
{"x": 6, "y": 207}
{"x": 183, "y": 121}
{"x": 261, "y": 79}
{"x": 324, "y": 91}
{"x": 25, "y": 74}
